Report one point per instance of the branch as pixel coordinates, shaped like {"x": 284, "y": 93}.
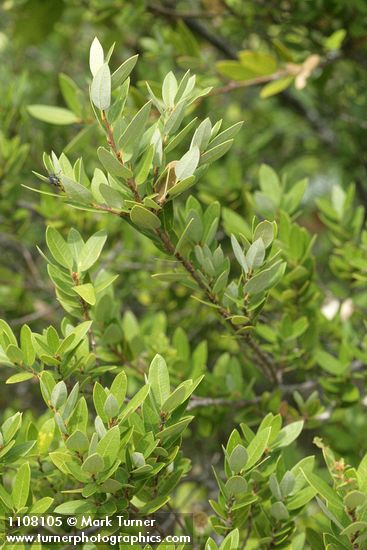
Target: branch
{"x": 304, "y": 389}
{"x": 171, "y": 13}
{"x": 263, "y": 361}
{"x": 200, "y": 402}
{"x": 195, "y": 27}
{"x": 235, "y": 85}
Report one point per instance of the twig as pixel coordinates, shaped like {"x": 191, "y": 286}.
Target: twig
{"x": 198, "y": 28}
{"x": 201, "y": 402}
{"x": 161, "y": 10}
{"x": 44, "y": 311}
{"x": 109, "y": 210}
{"x": 261, "y": 359}
{"x": 236, "y": 85}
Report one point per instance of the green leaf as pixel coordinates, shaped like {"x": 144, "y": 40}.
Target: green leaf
{"x": 276, "y": 86}
{"x": 154, "y": 505}
{"x": 323, "y": 489}
{"x": 301, "y": 498}
{"x": 354, "y": 499}
{"x": 47, "y": 384}
{"x": 175, "y": 430}
{"x": 15, "y": 355}
{"x": 59, "y": 248}
{"x": 288, "y": 434}
{"x": 334, "y": 41}
{"x": 142, "y": 217}
{"x": 238, "y": 459}
{"x": 93, "y": 464}
{"x": 257, "y": 446}
{"x": 202, "y": 135}
{"x": 76, "y": 191}
{"x": 265, "y": 231}
{"x": 21, "y": 485}
{"x": 239, "y": 255}
{"x": 59, "y": 395}
{"x": 362, "y": 474}
{"x": 269, "y": 182}
{"x": 109, "y": 446}
{"x": 77, "y": 441}
{"x": 169, "y": 89}
{"x": 145, "y": 166}
{"x": 41, "y": 506}
{"x": 176, "y": 140}
{"x": 111, "y": 406}
{"x": 177, "y": 397}
{"x": 135, "y": 129}
{"x": 256, "y": 254}
{"x": 53, "y": 115}
{"x": 5, "y": 497}
{"x": 75, "y": 507}
{"x": 158, "y": 379}
{"x": 11, "y": 426}
{"x": 123, "y": 71}
{"x": 45, "y": 436}
{"x": 86, "y": 292}
{"x": 96, "y": 56}
{"x": 265, "y": 279}
{"x": 227, "y": 134}
{"x": 5, "y": 329}
{"x": 111, "y": 196}
{"x": 260, "y": 63}
{"x": 181, "y": 187}
{"x": 236, "y": 485}
{"x": 275, "y": 487}
{"x": 232, "y": 541}
{"x": 19, "y": 377}
{"x": 279, "y": 511}
{"x": 26, "y": 345}
{"x": 134, "y": 403}
{"x": 329, "y": 363}
{"x": 92, "y": 250}
{"x": 101, "y": 88}
{"x": 118, "y": 387}
{"x": 112, "y": 165}
{"x": 354, "y": 527}
{"x": 187, "y": 165}
{"x": 99, "y": 399}
{"x": 216, "y": 152}
{"x": 70, "y": 92}
{"x": 234, "y": 70}
{"x": 287, "y": 484}
{"x": 79, "y": 333}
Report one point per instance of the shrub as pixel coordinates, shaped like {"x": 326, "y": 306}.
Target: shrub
{"x": 107, "y": 443}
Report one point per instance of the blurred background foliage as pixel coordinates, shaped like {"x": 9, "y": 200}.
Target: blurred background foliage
{"x": 295, "y": 72}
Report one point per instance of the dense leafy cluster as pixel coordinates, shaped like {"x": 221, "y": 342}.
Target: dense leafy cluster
{"x": 186, "y": 334}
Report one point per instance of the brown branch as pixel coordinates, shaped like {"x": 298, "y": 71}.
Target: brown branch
{"x": 161, "y": 10}
{"x": 201, "y": 402}
{"x": 261, "y": 359}
{"x": 109, "y": 210}
{"x": 196, "y": 27}
{"x": 235, "y": 85}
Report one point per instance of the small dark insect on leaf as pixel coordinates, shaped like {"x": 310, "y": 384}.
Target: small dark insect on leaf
{"x": 55, "y": 180}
